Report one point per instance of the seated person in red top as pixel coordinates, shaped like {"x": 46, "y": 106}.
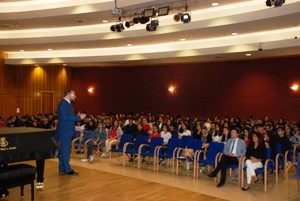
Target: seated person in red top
{"x": 2, "y": 123}
{"x": 146, "y": 126}
{"x": 155, "y": 133}
{"x": 114, "y": 134}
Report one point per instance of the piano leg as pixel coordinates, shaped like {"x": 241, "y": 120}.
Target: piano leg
{"x": 40, "y": 164}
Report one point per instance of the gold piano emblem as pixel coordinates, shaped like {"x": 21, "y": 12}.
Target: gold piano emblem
{"x": 3, "y": 142}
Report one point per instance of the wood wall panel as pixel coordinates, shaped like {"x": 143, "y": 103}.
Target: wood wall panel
{"x": 239, "y": 88}
{"x": 25, "y": 84}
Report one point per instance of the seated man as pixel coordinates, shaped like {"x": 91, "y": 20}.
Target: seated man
{"x": 234, "y": 149}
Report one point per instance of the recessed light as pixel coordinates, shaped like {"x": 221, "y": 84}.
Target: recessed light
{"x": 248, "y": 55}
{"x": 182, "y": 39}
{"x": 215, "y": 4}
{"x": 234, "y": 34}
{"x": 104, "y": 21}
{"x": 49, "y": 49}
{"x": 22, "y": 50}
{"x": 129, "y": 45}
{"x": 64, "y": 64}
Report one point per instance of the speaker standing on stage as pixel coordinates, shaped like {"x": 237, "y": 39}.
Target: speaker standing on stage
{"x": 66, "y": 130}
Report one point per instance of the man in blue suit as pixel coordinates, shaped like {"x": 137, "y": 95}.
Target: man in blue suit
{"x": 66, "y": 130}
{"x": 234, "y": 149}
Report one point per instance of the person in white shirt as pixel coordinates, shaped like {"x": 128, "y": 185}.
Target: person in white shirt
{"x": 185, "y": 131}
{"x": 165, "y": 134}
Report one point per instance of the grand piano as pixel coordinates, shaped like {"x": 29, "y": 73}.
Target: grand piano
{"x": 23, "y": 144}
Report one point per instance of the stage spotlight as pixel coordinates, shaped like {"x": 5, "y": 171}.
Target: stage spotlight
{"x": 128, "y": 24}
{"x": 144, "y": 20}
{"x": 276, "y": 3}
{"x": 119, "y": 27}
{"x": 152, "y": 26}
{"x": 113, "y": 28}
{"x": 177, "y": 17}
{"x": 136, "y": 20}
{"x": 185, "y": 17}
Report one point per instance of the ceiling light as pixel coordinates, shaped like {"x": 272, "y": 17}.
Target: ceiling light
{"x": 248, "y": 55}
{"x": 182, "y": 39}
{"x": 22, "y": 50}
{"x": 215, "y": 4}
{"x": 152, "y": 26}
{"x": 234, "y": 34}
{"x": 129, "y": 45}
{"x": 49, "y": 49}
{"x": 104, "y": 21}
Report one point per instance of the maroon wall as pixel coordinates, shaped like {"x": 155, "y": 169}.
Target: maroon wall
{"x": 241, "y": 88}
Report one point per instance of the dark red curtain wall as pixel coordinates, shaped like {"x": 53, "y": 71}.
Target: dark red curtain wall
{"x": 240, "y": 88}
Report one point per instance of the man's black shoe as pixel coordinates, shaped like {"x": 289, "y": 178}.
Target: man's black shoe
{"x": 72, "y": 173}
{"x": 220, "y": 184}
{"x": 212, "y": 175}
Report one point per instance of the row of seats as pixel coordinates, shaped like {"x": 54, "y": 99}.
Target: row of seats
{"x": 208, "y": 157}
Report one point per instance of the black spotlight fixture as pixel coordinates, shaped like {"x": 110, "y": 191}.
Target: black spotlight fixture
{"x": 144, "y": 20}
{"x": 128, "y": 24}
{"x": 119, "y": 27}
{"x": 185, "y": 17}
{"x": 136, "y": 20}
{"x": 153, "y": 25}
{"x": 113, "y": 28}
{"x": 276, "y": 3}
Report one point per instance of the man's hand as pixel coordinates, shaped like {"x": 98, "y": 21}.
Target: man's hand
{"x": 82, "y": 116}
{"x": 230, "y": 154}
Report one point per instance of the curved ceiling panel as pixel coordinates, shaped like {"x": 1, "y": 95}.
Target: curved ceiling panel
{"x": 41, "y": 32}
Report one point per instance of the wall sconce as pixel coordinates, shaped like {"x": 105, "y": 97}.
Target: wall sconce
{"x": 171, "y": 89}
{"x": 295, "y": 87}
{"x": 90, "y": 90}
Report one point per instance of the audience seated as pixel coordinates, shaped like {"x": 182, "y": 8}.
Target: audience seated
{"x": 184, "y": 130}
{"x": 165, "y": 134}
{"x": 99, "y": 136}
{"x": 114, "y": 135}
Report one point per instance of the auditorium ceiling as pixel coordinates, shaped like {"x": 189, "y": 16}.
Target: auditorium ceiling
{"x": 78, "y": 33}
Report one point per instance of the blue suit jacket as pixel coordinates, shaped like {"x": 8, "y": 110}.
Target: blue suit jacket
{"x": 240, "y": 149}
{"x": 66, "y": 119}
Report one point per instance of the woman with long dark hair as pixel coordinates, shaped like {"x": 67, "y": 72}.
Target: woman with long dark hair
{"x": 256, "y": 156}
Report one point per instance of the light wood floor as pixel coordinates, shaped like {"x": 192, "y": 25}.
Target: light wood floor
{"x": 103, "y": 179}
{"x": 99, "y": 185}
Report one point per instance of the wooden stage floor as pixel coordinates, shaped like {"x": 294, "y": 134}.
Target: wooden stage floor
{"x": 108, "y": 180}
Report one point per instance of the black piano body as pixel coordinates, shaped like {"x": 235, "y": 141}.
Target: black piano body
{"x": 23, "y": 144}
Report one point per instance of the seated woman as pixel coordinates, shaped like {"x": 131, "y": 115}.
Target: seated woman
{"x": 114, "y": 135}
{"x": 225, "y": 135}
{"x": 99, "y": 135}
{"x": 197, "y": 132}
{"x": 165, "y": 134}
{"x": 155, "y": 132}
{"x": 246, "y": 136}
{"x": 185, "y": 131}
{"x": 256, "y": 156}
{"x": 205, "y": 137}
